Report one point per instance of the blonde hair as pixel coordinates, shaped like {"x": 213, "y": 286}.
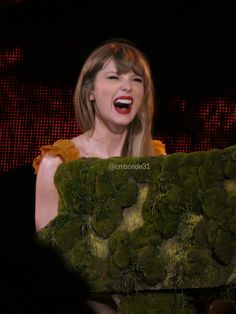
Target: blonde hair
{"x": 126, "y": 58}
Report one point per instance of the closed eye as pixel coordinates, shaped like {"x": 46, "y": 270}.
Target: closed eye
{"x": 113, "y": 77}
{"x": 138, "y": 79}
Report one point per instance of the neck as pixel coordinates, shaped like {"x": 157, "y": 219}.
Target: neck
{"x": 107, "y": 142}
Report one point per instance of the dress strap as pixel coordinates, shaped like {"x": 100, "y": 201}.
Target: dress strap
{"x": 65, "y": 149}
{"x": 159, "y": 147}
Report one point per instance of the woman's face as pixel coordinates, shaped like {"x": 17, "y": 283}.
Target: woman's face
{"x": 117, "y": 97}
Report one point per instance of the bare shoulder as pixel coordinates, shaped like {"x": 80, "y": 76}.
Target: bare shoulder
{"x": 80, "y": 139}
{"x": 49, "y": 164}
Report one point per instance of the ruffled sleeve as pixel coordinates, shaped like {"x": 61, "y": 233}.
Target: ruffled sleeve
{"x": 65, "y": 149}
{"x": 159, "y": 147}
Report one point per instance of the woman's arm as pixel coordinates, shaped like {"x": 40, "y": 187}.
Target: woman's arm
{"x": 46, "y": 199}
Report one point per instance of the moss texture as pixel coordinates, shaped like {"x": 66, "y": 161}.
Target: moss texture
{"x": 156, "y": 303}
{"x": 168, "y": 225}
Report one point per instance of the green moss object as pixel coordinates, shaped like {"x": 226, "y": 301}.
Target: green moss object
{"x": 167, "y": 225}
{"x": 156, "y": 303}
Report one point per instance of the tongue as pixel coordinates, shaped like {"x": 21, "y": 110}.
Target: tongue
{"x": 122, "y": 110}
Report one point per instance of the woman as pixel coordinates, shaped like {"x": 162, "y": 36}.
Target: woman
{"x": 114, "y": 106}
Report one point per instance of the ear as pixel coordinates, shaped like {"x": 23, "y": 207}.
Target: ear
{"x": 91, "y": 96}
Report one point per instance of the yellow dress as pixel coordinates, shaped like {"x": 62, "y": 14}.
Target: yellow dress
{"x": 66, "y": 150}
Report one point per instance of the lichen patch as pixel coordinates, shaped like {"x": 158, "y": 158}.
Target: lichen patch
{"x": 230, "y": 186}
{"x": 99, "y": 246}
{"x": 132, "y": 216}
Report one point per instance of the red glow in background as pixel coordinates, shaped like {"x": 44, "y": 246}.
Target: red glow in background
{"x": 35, "y": 114}
{"x": 36, "y": 107}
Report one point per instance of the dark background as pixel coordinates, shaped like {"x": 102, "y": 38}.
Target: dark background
{"x": 190, "y": 46}
{"x": 43, "y": 44}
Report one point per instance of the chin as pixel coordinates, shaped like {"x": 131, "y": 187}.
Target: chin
{"x": 123, "y": 121}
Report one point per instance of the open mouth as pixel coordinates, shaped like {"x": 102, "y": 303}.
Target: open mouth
{"x": 123, "y": 104}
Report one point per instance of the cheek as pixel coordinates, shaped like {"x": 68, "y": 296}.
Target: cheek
{"x": 139, "y": 92}
{"x": 140, "y": 97}
{"x": 103, "y": 99}
{"x": 102, "y": 92}
{"x": 139, "y": 105}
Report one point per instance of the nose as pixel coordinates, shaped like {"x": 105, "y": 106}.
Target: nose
{"x": 126, "y": 85}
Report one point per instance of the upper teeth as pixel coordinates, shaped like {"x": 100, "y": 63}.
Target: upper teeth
{"x": 124, "y": 101}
